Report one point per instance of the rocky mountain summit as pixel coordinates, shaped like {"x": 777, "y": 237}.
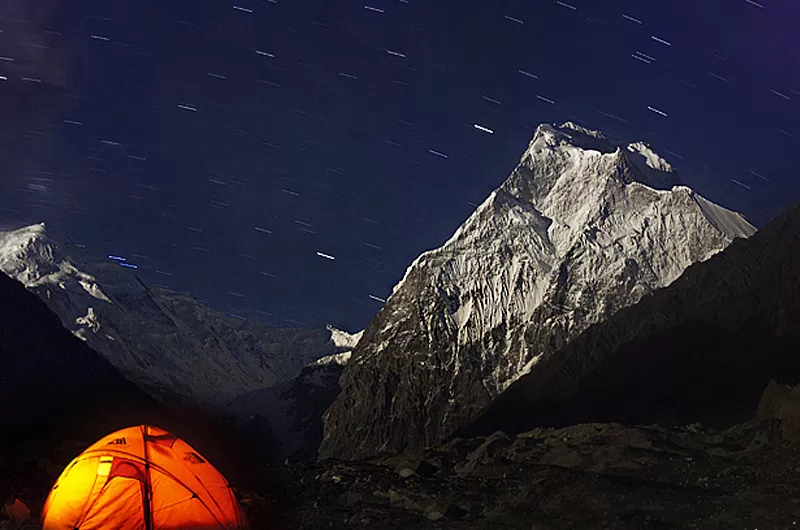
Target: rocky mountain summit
{"x": 581, "y": 229}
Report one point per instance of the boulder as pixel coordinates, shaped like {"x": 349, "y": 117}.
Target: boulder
{"x": 789, "y": 414}
{"x": 781, "y": 402}
{"x": 17, "y": 511}
{"x": 772, "y": 399}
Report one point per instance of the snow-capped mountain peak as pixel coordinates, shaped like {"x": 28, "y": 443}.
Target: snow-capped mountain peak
{"x": 581, "y": 228}
{"x": 25, "y": 254}
{"x": 29, "y": 256}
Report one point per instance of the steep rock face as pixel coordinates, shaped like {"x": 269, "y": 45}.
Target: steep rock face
{"x": 700, "y": 350}
{"x": 581, "y": 229}
{"x": 166, "y": 342}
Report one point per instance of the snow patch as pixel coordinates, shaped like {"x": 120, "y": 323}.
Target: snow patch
{"x": 89, "y": 321}
{"x": 726, "y": 221}
{"x": 462, "y": 314}
{"x": 337, "y": 358}
{"x": 583, "y": 130}
{"x": 342, "y": 339}
{"x": 93, "y": 289}
{"x": 652, "y": 159}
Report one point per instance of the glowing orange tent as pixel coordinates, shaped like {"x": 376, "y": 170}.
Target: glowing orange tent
{"x": 141, "y": 478}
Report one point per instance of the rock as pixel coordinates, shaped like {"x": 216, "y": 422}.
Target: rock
{"x": 455, "y": 512}
{"x": 772, "y": 399}
{"x": 427, "y": 468}
{"x": 781, "y": 402}
{"x": 17, "y": 511}
{"x": 434, "y": 515}
{"x": 523, "y": 444}
{"x": 562, "y": 457}
{"x": 406, "y": 472}
{"x": 789, "y": 414}
{"x": 490, "y": 448}
{"x": 350, "y": 498}
{"x": 398, "y": 499}
{"x": 406, "y": 465}
{"x": 459, "y": 448}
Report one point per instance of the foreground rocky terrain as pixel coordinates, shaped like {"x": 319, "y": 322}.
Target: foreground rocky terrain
{"x": 584, "y": 476}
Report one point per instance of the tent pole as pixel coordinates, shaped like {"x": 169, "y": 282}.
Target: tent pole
{"x": 148, "y": 491}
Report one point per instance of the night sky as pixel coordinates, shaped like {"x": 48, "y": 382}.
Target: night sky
{"x": 232, "y": 149}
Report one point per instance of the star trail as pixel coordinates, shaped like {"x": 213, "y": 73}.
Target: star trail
{"x": 286, "y": 160}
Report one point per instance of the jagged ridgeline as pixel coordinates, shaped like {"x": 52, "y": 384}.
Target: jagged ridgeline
{"x": 581, "y": 229}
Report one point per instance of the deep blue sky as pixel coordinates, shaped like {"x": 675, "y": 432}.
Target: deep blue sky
{"x": 313, "y": 120}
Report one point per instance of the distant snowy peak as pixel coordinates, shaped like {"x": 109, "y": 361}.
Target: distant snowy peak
{"x": 342, "y": 340}
{"x": 30, "y": 256}
{"x": 26, "y": 255}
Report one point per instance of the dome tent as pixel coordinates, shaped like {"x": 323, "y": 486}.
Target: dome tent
{"x": 143, "y": 478}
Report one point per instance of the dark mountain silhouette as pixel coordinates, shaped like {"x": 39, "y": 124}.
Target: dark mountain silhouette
{"x": 701, "y": 350}
{"x": 49, "y": 376}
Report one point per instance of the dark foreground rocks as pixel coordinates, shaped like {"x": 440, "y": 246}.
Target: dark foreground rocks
{"x": 585, "y": 476}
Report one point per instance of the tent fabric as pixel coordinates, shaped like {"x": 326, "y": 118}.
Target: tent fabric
{"x": 141, "y": 478}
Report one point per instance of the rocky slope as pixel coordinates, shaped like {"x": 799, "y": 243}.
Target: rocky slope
{"x": 699, "y": 350}
{"x": 581, "y": 229}
{"x": 166, "y": 342}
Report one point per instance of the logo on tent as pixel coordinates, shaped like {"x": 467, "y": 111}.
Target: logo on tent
{"x": 194, "y": 458}
{"x": 117, "y": 441}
